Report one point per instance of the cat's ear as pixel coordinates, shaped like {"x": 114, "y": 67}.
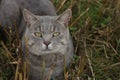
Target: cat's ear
{"x": 29, "y": 17}
{"x": 65, "y": 17}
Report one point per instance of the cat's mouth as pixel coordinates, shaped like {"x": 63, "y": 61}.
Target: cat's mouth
{"x": 47, "y": 49}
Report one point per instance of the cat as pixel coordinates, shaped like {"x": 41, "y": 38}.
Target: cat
{"x": 49, "y": 42}
{"x": 43, "y": 33}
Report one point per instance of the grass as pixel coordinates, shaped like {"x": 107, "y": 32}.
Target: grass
{"x": 95, "y": 31}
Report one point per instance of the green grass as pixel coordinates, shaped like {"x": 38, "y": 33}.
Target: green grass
{"x": 96, "y": 40}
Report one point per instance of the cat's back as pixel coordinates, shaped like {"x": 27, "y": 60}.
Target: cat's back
{"x": 38, "y": 7}
{"x": 11, "y": 11}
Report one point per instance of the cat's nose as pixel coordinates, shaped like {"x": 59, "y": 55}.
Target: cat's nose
{"x": 46, "y": 43}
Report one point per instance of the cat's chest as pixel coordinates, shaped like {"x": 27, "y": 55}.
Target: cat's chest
{"x": 47, "y": 60}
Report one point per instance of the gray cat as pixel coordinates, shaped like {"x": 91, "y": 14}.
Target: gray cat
{"x": 44, "y": 34}
{"x": 48, "y": 43}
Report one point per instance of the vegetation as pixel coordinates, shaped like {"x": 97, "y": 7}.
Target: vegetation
{"x": 95, "y": 31}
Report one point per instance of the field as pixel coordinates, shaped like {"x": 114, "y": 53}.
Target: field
{"x": 95, "y": 29}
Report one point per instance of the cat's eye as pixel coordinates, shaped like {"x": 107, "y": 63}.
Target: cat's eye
{"x": 38, "y": 34}
{"x": 55, "y": 34}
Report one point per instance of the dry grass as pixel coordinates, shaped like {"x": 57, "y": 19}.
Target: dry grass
{"x": 95, "y": 30}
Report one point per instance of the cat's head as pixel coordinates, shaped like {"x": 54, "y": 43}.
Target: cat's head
{"x": 46, "y": 34}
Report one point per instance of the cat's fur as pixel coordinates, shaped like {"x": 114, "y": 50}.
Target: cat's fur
{"x": 47, "y": 54}
{"x": 57, "y": 52}
{"x": 11, "y": 12}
